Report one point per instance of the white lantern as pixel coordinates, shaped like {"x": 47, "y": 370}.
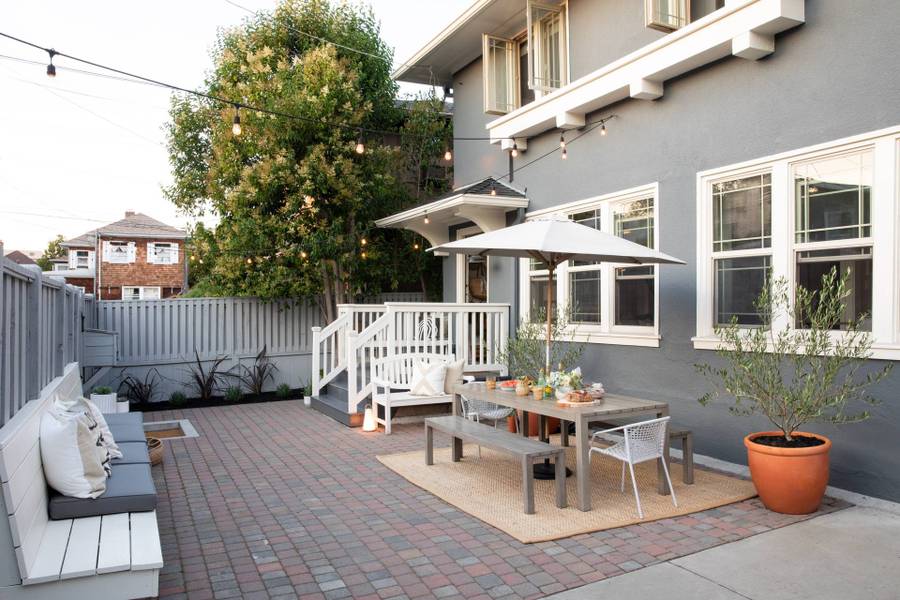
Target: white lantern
{"x": 369, "y": 423}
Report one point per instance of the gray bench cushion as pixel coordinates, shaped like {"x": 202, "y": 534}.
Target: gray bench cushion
{"x": 127, "y": 432}
{"x": 129, "y": 489}
{"x": 133, "y": 453}
{"x": 134, "y": 418}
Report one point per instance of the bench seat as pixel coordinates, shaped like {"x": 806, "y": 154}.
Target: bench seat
{"x": 526, "y": 449}
{"x": 133, "y": 453}
{"x": 114, "y": 556}
{"x": 392, "y": 378}
{"x": 129, "y": 489}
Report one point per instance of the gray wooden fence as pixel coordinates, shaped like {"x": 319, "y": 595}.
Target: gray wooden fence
{"x": 41, "y": 321}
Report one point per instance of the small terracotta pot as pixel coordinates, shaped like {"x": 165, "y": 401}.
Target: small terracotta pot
{"x": 789, "y": 480}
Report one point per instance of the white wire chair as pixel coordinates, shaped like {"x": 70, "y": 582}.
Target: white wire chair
{"x": 480, "y": 410}
{"x": 641, "y": 442}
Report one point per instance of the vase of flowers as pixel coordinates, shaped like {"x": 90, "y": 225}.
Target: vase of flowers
{"x": 564, "y": 382}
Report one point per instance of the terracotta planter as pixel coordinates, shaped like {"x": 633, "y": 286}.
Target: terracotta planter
{"x": 789, "y": 480}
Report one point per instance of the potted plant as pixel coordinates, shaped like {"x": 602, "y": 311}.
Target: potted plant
{"x": 804, "y": 363}
{"x": 104, "y": 398}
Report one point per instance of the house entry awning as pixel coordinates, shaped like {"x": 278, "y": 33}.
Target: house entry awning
{"x": 484, "y": 203}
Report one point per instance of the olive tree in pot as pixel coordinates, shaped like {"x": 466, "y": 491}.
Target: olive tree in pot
{"x": 805, "y": 363}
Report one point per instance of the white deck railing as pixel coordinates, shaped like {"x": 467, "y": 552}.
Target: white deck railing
{"x": 475, "y": 333}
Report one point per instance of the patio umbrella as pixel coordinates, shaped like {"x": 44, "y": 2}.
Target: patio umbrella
{"x": 553, "y": 241}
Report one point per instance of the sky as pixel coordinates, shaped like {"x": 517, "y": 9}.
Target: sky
{"x": 77, "y": 151}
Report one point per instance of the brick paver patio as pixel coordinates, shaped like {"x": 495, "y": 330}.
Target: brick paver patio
{"x": 278, "y": 501}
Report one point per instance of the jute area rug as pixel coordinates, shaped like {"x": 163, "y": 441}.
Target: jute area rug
{"x": 490, "y": 489}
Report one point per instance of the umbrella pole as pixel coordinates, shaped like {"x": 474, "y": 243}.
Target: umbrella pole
{"x": 551, "y": 267}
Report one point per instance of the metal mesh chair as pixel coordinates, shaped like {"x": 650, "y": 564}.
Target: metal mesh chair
{"x": 480, "y": 410}
{"x": 641, "y": 442}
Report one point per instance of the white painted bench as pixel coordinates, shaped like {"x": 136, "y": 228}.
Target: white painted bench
{"x": 391, "y": 381}
{"x": 111, "y": 557}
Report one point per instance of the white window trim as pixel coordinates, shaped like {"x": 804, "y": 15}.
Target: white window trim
{"x": 141, "y": 291}
{"x": 885, "y": 239}
{"x": 606, "y": 332}
{"x": 131, "y": 254}
{"x": 649, "y": 20}
{"x": 152, "y": 257}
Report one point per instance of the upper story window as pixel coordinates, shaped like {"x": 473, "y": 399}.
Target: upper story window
{"x": 667, "y": 15}
{"x": 119, "y": 252}
{"x": 519, "y": 69}
{"x": 162, "y": 253}
{"x": 81, "y": 259}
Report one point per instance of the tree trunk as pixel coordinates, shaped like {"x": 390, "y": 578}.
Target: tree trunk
{"x": 328, "y": 306}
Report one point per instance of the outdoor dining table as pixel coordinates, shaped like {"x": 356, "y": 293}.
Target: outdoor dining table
{"x": 611, "y": 406}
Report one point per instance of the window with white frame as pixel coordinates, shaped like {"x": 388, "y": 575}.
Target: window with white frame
{"x": 135, "y": 292}
{"x": 667, "y": 15}
{"x": 799, "y": 215}
{"x": 119, "y": 252}
{"x": 537, "y": 278}
{"x": 162, "y": 253}
{"x": 516, "y": 70}
{"x": 605, "y": 303}
{"x": 81, "y": 259}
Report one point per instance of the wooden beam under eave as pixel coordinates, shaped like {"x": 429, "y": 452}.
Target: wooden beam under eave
{"x": 753, "y": 45}
{"x": 645, "y": 89}
{"x": 570, "y": 120}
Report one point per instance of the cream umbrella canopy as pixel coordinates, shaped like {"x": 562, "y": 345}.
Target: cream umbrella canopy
{"x": 553, "y": 241}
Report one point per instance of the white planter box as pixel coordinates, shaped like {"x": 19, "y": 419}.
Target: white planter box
{"x": 105, "y": 402}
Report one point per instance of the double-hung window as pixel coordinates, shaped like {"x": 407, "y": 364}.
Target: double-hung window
{"x": 81, "y": 259}
{"x": 518, "y": 69}
{"x": 798, "y": 216}
{"x": 605, "y": 303}
{"x": 134, "y": 292}
{"x": 119, "y": 252}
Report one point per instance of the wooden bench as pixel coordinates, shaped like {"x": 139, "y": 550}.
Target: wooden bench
{"x": 527, "y": 450}
{"x": 675, "y": 433}
{"x": 391, "y": 381}
{"x": 111, "y": 557}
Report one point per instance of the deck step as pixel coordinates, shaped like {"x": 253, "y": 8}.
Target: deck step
{"x": 335, "y": 406}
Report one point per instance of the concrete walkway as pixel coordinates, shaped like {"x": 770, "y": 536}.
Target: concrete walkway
{"x": 853, "y": 553}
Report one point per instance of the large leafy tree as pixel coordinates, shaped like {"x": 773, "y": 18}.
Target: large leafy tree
{"x": 295, "y": 201}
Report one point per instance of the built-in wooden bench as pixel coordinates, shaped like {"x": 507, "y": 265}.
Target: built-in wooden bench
{"x": 114, "y": 556}
{"x": 675, "y": 433}
{"x": 527, "y": 450}
{"x": 392, "y": 378}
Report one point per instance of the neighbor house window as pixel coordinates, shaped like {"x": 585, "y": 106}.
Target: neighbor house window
{"x": 81, "y": 259}
{"x": 741, "y": 245}
{"x": 667, "y": 15}
{"x": 518, "y": 69}
{"x": 606, "y": 303}
{"x": 798, "y": 216}
{"x": 118, "y": 252}
{"x": 141, "y": 293}
{"x": 159, "y": 253}
{"x": 833, "y": 198}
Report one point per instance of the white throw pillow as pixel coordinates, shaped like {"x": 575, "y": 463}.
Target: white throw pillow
{"x": 71, "y": 453}
{"x": 83, "y": 405}
{"x": 428, "y": 379}
{"x": 454, "y": 375}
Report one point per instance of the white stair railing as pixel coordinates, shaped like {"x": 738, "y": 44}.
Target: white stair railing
{"x": 476, "y": 333}
{"x": 329, "y": 356}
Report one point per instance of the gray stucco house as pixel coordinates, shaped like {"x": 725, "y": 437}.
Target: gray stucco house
{"x": 740, "y": 136}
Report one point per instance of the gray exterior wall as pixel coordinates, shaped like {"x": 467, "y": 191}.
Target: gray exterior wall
{"x": 833, "y": 77}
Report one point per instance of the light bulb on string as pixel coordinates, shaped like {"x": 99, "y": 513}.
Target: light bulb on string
{"x": 363, "y": 255}
{"x": 448, "y": 156}
{"x": 363, "y": 241}
{"x": 51, "y": 68}
{"x": 236, "y": 122}
{"x": 515, "y": 150}
{"x": 603, "y": 129}
{"x": 249, "y": 261}
{"x": 565, "y": 153}
{"x": 426, "y": 220}
{"x": 493, "y": 190}
{"x": 360, "y": 148}
{"x": 302, "y": 254}
{"x": 416, "y": 246}
{"x": 562, "y": 140}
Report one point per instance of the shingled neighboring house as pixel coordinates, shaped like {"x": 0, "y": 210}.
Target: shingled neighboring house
{"x": 140, "y": 259}
{"x": 20, "y": 258}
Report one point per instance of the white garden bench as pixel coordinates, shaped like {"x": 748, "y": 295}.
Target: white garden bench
{"x": 391, "y": 379}
{"x": 111, "y": 557}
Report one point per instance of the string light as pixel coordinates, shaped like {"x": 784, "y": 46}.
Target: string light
{"x": 360, "y": 148}
{"x": 249, "y": 261}
{"x": 603, "y": 129}
{"x": 51, "y": 68}
{"x": 193, "y": 257}
{"x": 426, "y": 220}
{"x": 363, "y": 241}
{"x": 416, "y": 246}
{"x": 302, "y": 254}
{"x": 493, "y": 190}
{"x": 562, "y": 140}
{"x": 363, "y": 255}
{"x": 515, "y": 150}
{"x": 236, "y": 122}
{"x": 565, "y": 153}
{"x": 448, "y": 156}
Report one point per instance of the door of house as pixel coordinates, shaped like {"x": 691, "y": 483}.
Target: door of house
{"x": 471, "y": 273}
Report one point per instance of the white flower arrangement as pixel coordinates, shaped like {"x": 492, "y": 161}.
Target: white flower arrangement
{"x": 566, "y": 379}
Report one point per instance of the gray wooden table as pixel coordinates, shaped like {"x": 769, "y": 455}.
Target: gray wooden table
{"x": 612, "y": 405}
